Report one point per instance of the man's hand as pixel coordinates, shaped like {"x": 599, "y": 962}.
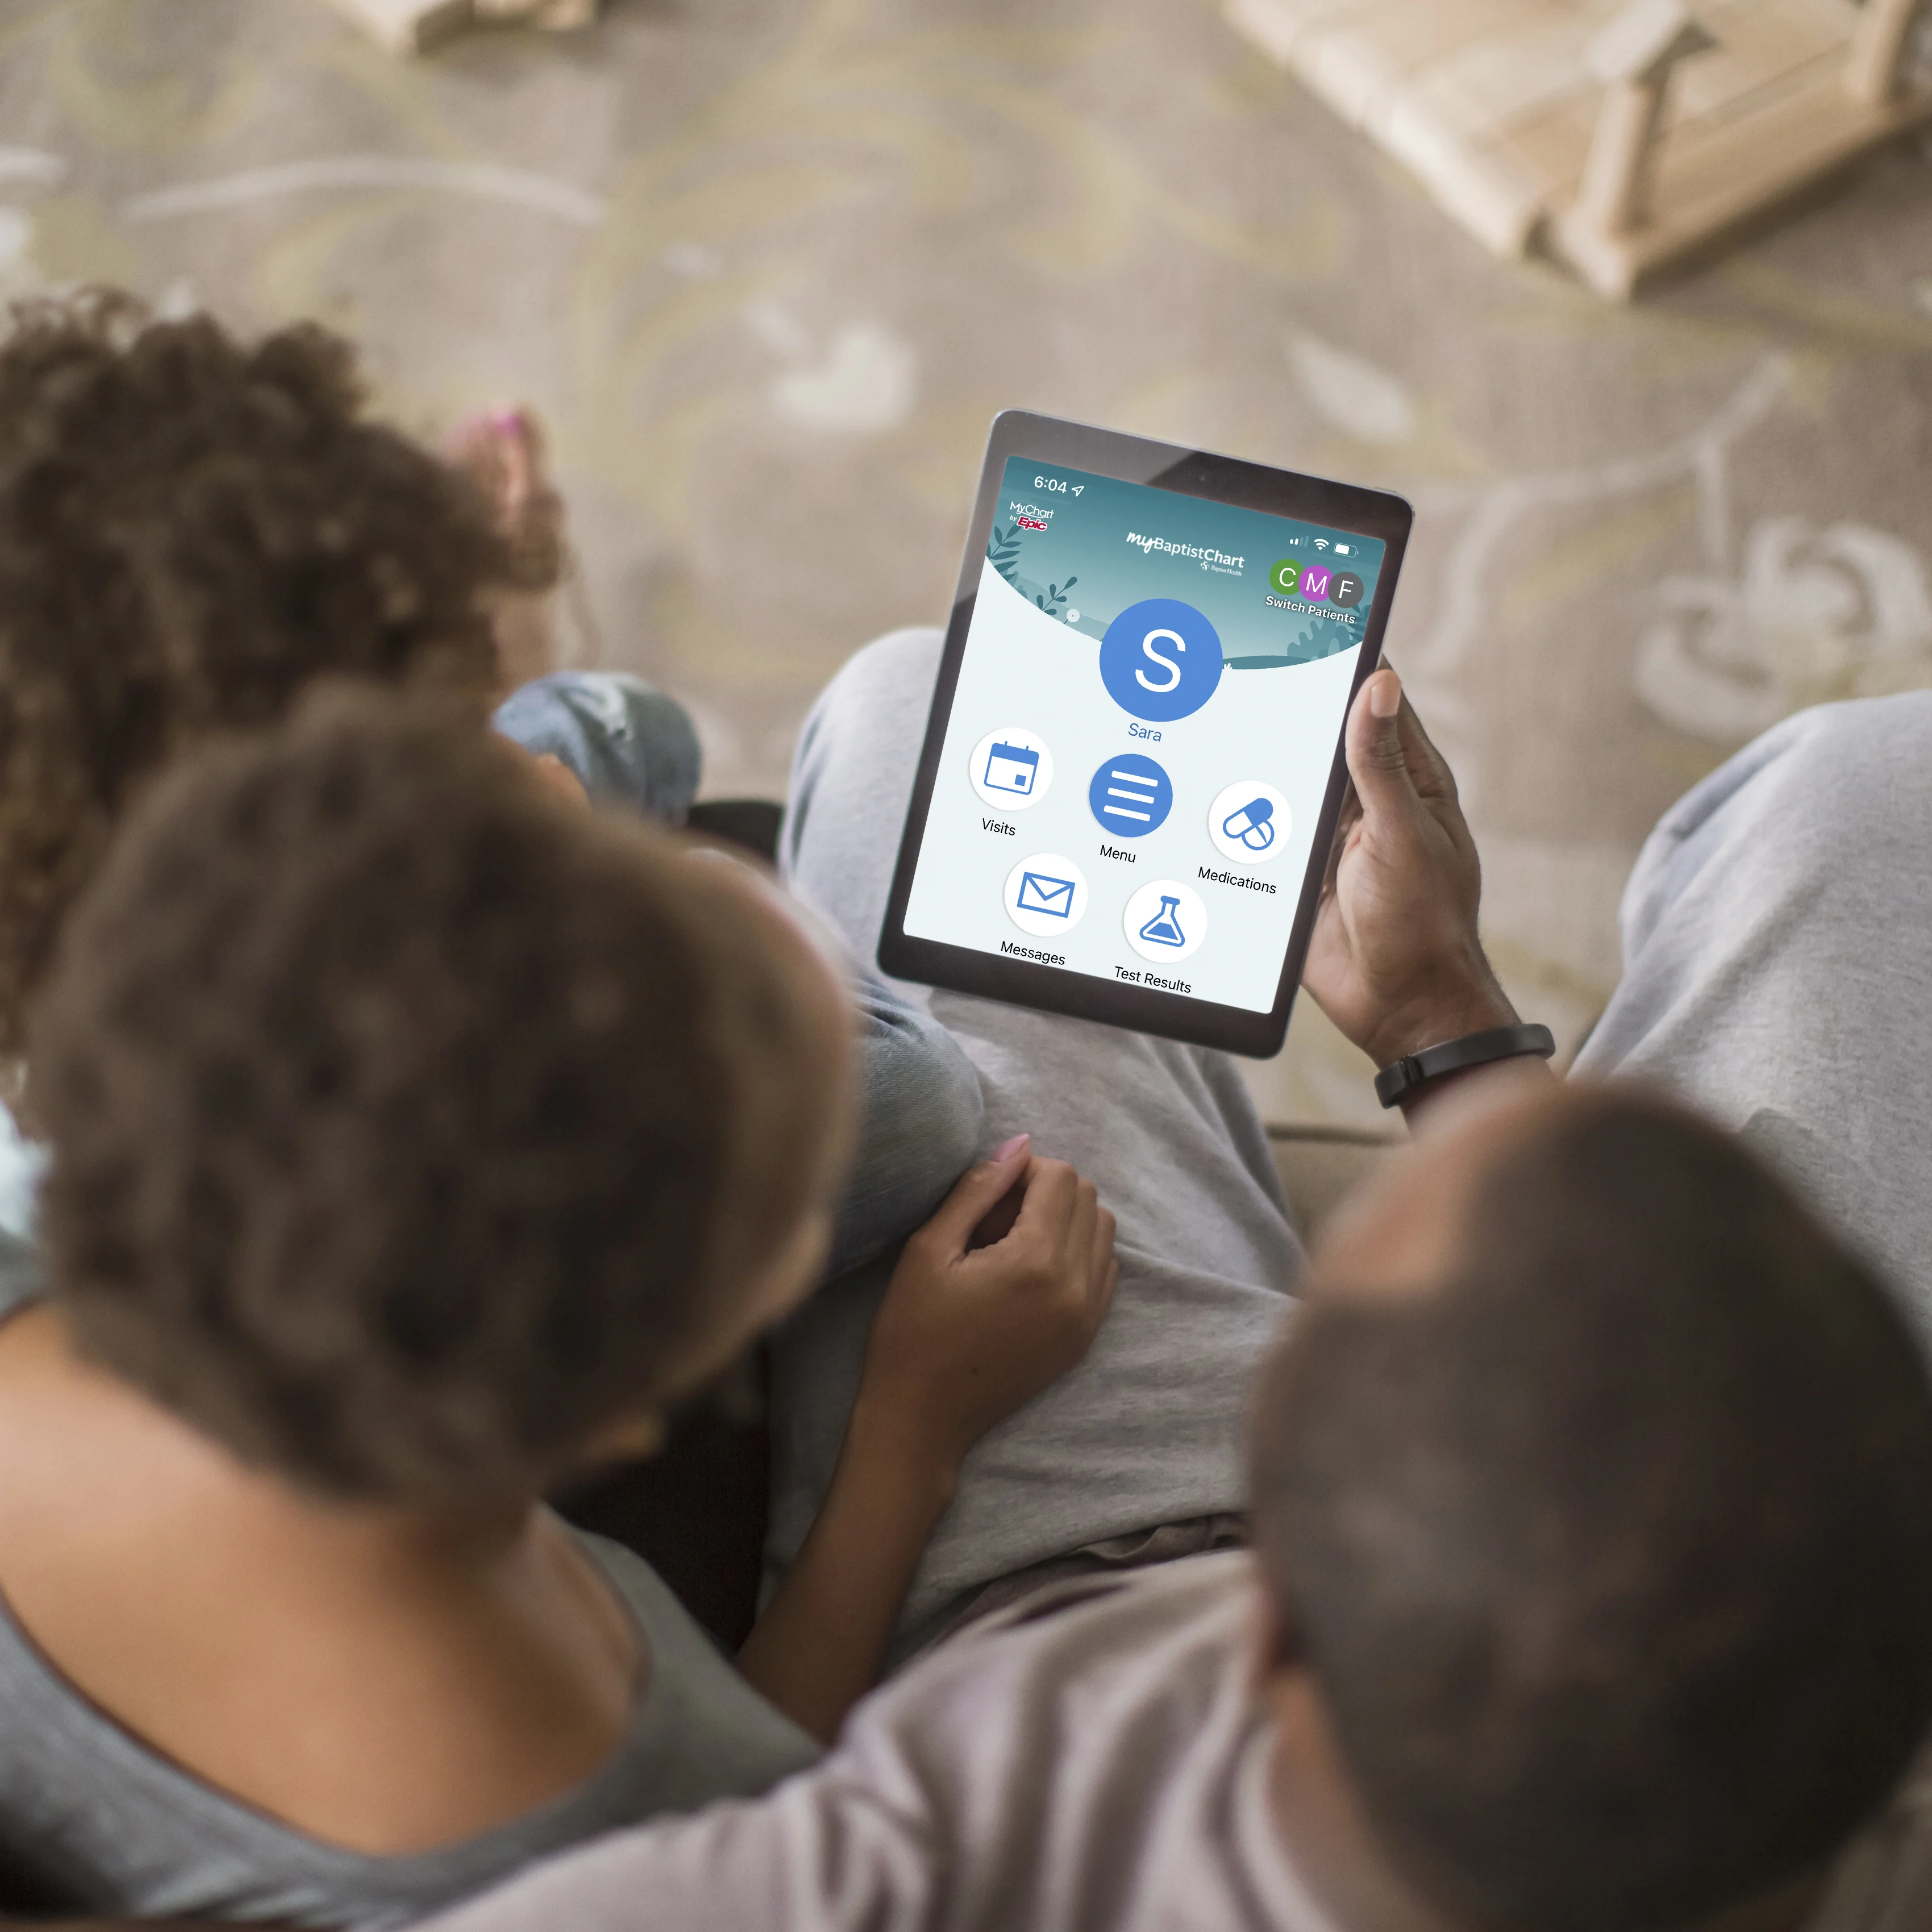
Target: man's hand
{"x": 1395, "y": 961}
{"x": 966, "y": 1334}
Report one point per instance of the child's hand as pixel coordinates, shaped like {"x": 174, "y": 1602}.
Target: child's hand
{"x": 966, "y": 1335}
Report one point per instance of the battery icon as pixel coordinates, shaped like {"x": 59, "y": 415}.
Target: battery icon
{"x": 1341, "y": 550}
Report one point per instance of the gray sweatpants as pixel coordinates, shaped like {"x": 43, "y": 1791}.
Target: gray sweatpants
{"x": 1776, "y": 931}
{"x": 1777, "y": 968}
{"x": 1146, "y": 1430}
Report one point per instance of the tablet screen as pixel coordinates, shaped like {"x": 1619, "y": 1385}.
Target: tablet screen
{"x": 1142, "y": 735}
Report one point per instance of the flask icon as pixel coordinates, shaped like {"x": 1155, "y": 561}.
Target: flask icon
{"x": 1164, "y": 928}
{"x": 1165, "y": 921}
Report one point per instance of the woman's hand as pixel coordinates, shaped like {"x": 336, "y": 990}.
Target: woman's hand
{"x": 966, "y": 1334}
{"x": 1395, "y": 961}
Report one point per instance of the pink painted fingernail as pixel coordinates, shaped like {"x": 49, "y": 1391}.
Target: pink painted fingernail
{"x": 1007, "y": 1149}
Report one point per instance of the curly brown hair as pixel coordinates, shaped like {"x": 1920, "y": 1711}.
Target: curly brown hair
{"x": 410, "y": 1126}
{"x": 191, "y": 529}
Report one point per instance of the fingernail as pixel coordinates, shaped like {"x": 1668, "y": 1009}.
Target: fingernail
{"x": 506, "y": 421}
{"x": 1384, "y": 694}
{"x": 1007, "y": 1149}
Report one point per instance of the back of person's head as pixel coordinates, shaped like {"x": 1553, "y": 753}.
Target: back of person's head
{"x": 411, "y": 1126}
{"x": 191, "y": 529}
{"x": 1611, "y": 1552}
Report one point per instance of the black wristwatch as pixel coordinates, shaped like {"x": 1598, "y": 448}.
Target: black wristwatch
{"x": 1402, "y": 1079}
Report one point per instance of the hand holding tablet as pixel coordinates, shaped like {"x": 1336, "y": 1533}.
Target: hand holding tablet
{"x": 1190, "y": 708}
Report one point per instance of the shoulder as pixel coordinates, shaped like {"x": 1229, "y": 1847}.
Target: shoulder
{"x": 701, "y": 1732}
{"x": 1015, "y": 1777}
{"x": 1096, "y": 1696}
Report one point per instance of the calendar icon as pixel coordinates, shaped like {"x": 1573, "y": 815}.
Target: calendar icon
{"x": 1012, "y": 768}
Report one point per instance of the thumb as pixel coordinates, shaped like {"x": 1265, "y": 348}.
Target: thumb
{"x": 979, "y": 1190}
{"x": 1376, "y": 761}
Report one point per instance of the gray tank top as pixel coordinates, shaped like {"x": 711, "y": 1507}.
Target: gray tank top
{"x": 93, "y": 1821}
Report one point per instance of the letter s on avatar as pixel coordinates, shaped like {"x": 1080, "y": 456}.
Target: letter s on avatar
{"x": 1167, "y": 664}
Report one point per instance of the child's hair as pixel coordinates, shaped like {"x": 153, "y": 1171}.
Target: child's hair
{"x": 192, "y": 529}
{"x": 1612, "y": 1553}
{"x": 410, "y": 1126}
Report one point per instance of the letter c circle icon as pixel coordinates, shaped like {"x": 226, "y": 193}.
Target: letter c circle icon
{"x": 1160, "y": 660}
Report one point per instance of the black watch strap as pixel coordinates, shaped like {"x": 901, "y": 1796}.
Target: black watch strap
{"x": 1402, "y": 1077}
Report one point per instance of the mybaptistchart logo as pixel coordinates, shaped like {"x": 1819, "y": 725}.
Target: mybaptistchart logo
{"x": 1161, "y": 660}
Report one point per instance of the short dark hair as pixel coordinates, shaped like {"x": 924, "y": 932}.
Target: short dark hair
{"x": 1612, "y": 1556}
{"x": 191, "y": 529}
{"x": 408, "y": 1125}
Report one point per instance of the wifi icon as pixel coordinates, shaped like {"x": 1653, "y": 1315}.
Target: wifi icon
{"x": 1321, "y": 543}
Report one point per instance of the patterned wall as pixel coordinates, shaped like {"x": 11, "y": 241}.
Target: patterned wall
{"x": 768, "y": 266}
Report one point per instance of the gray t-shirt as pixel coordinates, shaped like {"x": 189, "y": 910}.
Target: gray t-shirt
{"x": 94, "y": 1821}
{"x": 1095, "y": 1761}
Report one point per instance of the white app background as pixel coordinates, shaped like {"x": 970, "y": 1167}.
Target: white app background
{"x": 1270, "y": 733}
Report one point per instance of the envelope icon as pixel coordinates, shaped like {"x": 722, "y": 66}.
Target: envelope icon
{"x": 1040, "y": 891}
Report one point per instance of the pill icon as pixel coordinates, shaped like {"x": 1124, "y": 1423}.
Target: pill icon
{"x": 1252, "y": 825}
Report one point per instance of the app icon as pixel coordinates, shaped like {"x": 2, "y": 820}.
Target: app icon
{"x": 1285, "y": 576}
{"x": 1249, "y": 822}
{"x": 1164, "y": 928}
{"x": 1160, "y": 659}
{"x": 1346, "y": 591}
{"x": 1131, "y": 796}
{"x": 1315, "y": 582}
{"x": 1038, "y": 893}
{"x": 1011, "y": 768}
{"x": 1166, "y": 920}
{"x": 1046, "y": 894}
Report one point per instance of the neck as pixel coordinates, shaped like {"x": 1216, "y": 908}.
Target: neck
{"x": 119, "y": 1447}
{"x": 1322, "y": 1824}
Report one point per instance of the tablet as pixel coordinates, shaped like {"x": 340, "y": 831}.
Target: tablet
{"x": 1133, "y": 769}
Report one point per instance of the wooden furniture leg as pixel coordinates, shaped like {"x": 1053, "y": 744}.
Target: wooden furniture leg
{"x": 1635, "y": 57}
{"x": 1875, "y": 63}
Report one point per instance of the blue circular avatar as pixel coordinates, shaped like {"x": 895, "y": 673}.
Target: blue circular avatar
{"x": 1160, "y": 659}
{"x": 1131, "y": 796}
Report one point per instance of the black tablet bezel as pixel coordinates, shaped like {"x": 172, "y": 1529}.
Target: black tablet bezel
{"x": 1189, "y": 472}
